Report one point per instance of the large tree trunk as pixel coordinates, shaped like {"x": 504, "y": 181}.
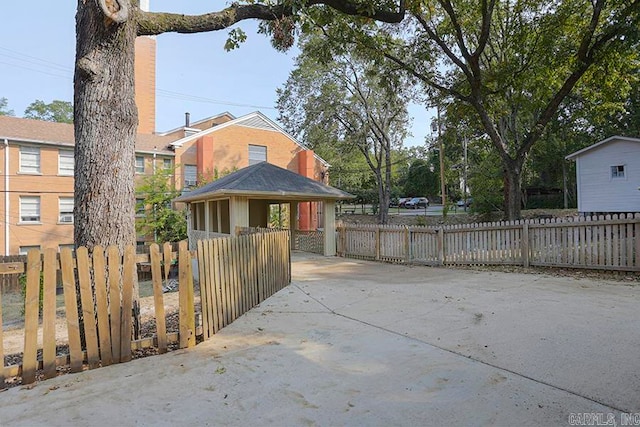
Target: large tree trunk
{"x": 512, "y": 190}
{"x": 105, "y": 123}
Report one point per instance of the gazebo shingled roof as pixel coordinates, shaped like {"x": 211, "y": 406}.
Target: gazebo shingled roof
{"x": 264, "y": 180}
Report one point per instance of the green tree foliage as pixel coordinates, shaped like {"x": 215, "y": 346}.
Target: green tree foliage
{"x": 422, "y": 179}
{"x": 4, "y": 110}
{"x": 55, "y": 111}
{"x": 350, "y": 102}
{"x": 160, "y": 219}
{"x": 512, "y": 64}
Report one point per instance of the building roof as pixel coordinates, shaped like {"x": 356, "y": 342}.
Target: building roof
{"x": 578, "y": 153}
{"x": 255, "y": 120}
{"x": 265, "y": 181}
{"x": 43, "y": 132}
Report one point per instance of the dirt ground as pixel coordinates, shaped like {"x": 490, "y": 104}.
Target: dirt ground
{"x": 352, "y": 342}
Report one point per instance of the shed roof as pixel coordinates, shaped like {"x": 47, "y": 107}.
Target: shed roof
{"x": 578, "y": 153}
{"x": 266, "y": 181}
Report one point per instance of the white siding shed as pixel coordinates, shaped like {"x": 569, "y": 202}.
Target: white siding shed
{"x": 608, "y": 176}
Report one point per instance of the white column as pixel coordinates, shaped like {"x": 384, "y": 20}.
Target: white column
{"x": 238, "y": 213}
{"x": 329, "y": 224}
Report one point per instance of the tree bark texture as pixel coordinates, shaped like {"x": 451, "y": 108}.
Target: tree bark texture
{"x": 105, "y": 123}
{"x": 105, "y": 114}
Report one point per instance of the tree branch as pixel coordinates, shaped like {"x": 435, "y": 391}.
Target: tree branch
{"x": 154, "y": 23}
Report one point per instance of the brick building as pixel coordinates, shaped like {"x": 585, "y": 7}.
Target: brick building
{"x": 36, "y": 158}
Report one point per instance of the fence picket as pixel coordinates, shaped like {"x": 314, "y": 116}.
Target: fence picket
{"x": 102, "y": 305}
{"x": 129, "y": 269}
{"x": 88, "y": 313}
{"x": 115, "y": 298}
{"x": 49, "y": 313}
{"x": 31, "y": 316}
{"x": 71, "y": 310}
{"x": 158, "y": 297}
{"x": 182, "y": 298}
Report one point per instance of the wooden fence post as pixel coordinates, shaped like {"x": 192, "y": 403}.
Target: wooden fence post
{"x": 407, "y": 245}
{"x": 31, "y": 309}
{"x": 185, "y": 295}
{"x": 524, "y": 244}
{"x": 441, "y": 257}
{"x": 377, "y": 243}
{"x": 49, "y": 313}
{"x": 158, "y": 298}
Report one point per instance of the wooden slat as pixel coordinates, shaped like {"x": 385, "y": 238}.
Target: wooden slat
{"x": 115, "y": 300}
{"x": 158, "y": 297}
{"x": 49, "y": 313}
{"x": 31, "y": 316}
{"x": 88, "y": 313}
{"x": 102, "y": 305}
{"x": 11, "y": 267}
{"x": 208, "y": 264}
{"x": 203, "y": 278}
{"x": 128, "y": 278}
{"x": 191, "y": 312}
{"x": 71, "y": 310}
{"x": 215, "y": 268}
{"x": 183, "y": 295}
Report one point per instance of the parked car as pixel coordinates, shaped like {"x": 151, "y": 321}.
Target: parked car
{"x": 402, "y": 201}
{"x": 464, "y": 203}
{"x": 417, "y": 202}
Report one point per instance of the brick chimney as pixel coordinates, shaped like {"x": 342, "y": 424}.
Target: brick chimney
{"x": 145, "y": 79}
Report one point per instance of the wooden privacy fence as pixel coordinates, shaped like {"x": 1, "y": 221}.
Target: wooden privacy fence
{"x": 98, "y": 300}
{"x": 238, "y": 273}
{"x": 610, "y": 242}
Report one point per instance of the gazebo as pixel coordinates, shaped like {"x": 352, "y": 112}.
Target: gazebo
{"x": 243, "y": 199}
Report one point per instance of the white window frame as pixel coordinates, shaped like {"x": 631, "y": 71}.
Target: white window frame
{"x": 66, "y": 162}
{"x": 30, "y": 159}
{"x": 190, "y": 177}
{"x": 30, "y": 209}
{"x": 140, "y": 211}
{"x": 65, "y": 210}
{"x": 67, "y": 245}
{"x": 140, "y": 166}
{"x": 618, "y": 171}
{"x": 257, "y": 154}
{"x": 167, "y": 164}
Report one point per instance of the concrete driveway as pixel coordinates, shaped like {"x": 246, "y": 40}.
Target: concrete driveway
{"x": 360, "y": 343}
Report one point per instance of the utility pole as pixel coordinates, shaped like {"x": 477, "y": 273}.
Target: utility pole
{"x": 464, "y": 175}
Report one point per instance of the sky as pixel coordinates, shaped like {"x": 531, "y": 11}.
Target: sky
{"x": 193, "y": 71}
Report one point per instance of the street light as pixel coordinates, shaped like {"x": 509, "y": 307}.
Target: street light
{"x": 435, "y": 127}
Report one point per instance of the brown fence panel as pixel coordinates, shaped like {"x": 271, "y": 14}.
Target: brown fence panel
{"x": 238, "y": 273}
{"x": 610, "y": 242}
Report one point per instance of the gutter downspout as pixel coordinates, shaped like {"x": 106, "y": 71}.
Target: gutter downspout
{"x": 6, "y": 196}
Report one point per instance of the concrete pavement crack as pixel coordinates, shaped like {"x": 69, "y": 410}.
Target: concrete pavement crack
{"x": 473, "y": 359}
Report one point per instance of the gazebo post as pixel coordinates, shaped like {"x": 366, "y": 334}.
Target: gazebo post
{"x": 293, "y": 222}
{"x": 329, "y": 214}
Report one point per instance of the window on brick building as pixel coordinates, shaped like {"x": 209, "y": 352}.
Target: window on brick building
{"x": 29, "y": 160}
{"x": 30, "y": 209}
{"x": 257, "y": 154}
{"x": 139, "y": 164}
{"x": 190, "y": 175}
{"x": 65, "y": 162}
{"x": 66, "y": 210}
